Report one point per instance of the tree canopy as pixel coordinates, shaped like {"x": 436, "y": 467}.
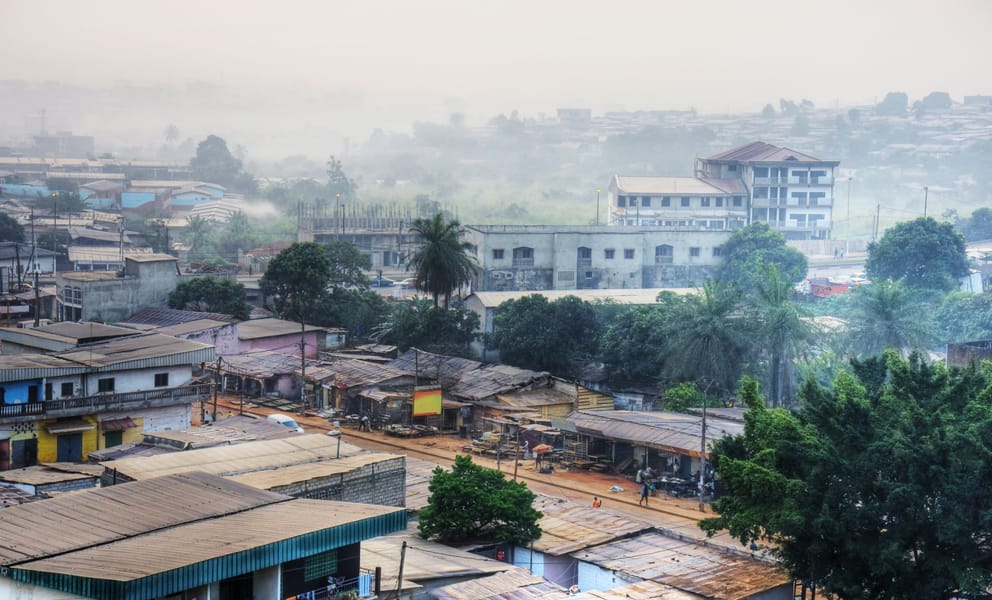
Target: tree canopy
{"x": 533, "y": 333}
{"x": 875, "y": 489}
{"x": 211, "y": 294}
{"x": 978, "y": 226}
{"x": 750, "y": 249}
{"x": 887, "y": 314}
{"x": 10, "y": 229}
{"x": 296, "y": 279}
{"x": 921, "y": 252}
{"x": 420, "y": 324}
{"x": 472, "y": 502}
{"x": 441, "y": 262}
{"x": 214, "y": 163}
{"x": 348, "y": 265}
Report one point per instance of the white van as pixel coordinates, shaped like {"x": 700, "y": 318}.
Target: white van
{"x": 286, "y": 421}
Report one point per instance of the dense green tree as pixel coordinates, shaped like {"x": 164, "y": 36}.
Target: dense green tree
{"x": 752, "y": 247}
{"x": 211, "y": 294}
{"x": 921, "y": 252}
{"x": 633, "y": 344}
{"x": 199, "y": 235}
{"x": 711, "y": 339}
{"x": 533, "y": 333}
{"x": 964, "y": 317}
{"x": 474, "y": 503}
{"x": 296, "y": 279}
{"x": 978, "y": 226}
{"x": 348, "y": 265}
{"x": 214, "y": 163}
{"x": 10, "y": 229}
{"x": 894, "y": 104}
{"x": 783, "y": 332}
{"x": 237, "y": 234}
{"x": 359, "y": 311}
{"x": 441, "y": 262}
{"x": 876, "y": 488}
{"x": 887, "y": 314}
{"x": 420, "y": 324}
{"x": 61, "y": 203}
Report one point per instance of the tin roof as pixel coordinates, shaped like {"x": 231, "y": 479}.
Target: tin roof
{"x": 270, "y": 479}
{"x": 10, "y": 250}
{"x": 139, "y": 351}
{"x": 762, "y": 152}
{"x": 43, "y": 475}
{"x": 569, "y": 527}
{"x": 263, "y": 363}
{"x": 111, "y": 237}
{"x": 356, "y": 373}
{"x": 642, "y": 590}
{"x": 163, "y": 317}
{"x": 493, "y": 379}
{"x": 133, "y": 540}
{"x": 102, "y": 254}
{"x": 666, "y": 431}
{"x": 513, "y": 584}
{"x": 675, "y": 186}
{"x": 236, "y": 459}
{"x": 265, "y": 328}
{"x": 695, "y": 568}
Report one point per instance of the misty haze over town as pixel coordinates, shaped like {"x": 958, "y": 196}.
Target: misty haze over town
{"x": 550, "y": 300}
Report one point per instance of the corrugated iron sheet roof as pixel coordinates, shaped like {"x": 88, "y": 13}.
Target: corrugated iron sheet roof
{"x": 535, "y": 397}
{"x": 265, "y": 328}
{"x": 39, "y": 475}
{"x": 513, "y": 584}
{"x": 667, "y": 431}
{"x": 433, "y": 365}
{"x": 262, "y": 363}
{"x": 357, "y": 373}
{"x": 163, "y": 317}
{"x": 102, "y": 515}
{"x": 687, "y": 566}
{"x": 138, "y": 351}
{"x": 237, "y": 458}
{"x": 493, "y": 379}
{"x": 568, "y": 527}
{"x": 274, "y": 478}
{"x": 685, "y": 186}
{"x": 642, "y": 590}
{"x": 101, "y": 254}
{"x": 762, "y": 152}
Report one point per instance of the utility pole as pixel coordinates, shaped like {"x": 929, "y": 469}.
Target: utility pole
{"x": 37, "y": 298}
{"x": 874, "y": 231}
{"x": 926, "y": 190}
{"x": 399, "y": 577}
{"x": 213, "y": 416}
{"x": 597, "y": 206}
{"x": 303, "y": 364}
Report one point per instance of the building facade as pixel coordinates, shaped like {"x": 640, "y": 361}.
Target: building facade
{"x": 531, "y": 258}
{"x": 791, "y": 191}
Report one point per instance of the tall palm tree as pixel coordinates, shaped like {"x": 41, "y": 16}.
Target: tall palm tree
{"x": 782, "y": 330}
{"x": 886, "y": 314}
{"x": 709, "y": 338}
{"x": 441, "y": 262}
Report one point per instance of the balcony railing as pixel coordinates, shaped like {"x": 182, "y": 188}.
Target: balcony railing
{"x": 109, "y": 401}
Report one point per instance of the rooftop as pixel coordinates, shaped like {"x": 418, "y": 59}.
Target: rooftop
{"x": 677, "y": 186}
{"x": 162, "y": 317}
{"x": 762, "y": 152}
{"x": 265, "y": 328}
{"x": 667, "y": 431}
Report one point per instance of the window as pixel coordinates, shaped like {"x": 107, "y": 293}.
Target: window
{"x": 732, "y": 168}
{"x": 113, "y": 438}
{"x": 588, "y": 274}
{"x": 105, "y": 385}
{"x": 523, "y": 257}
{"x": 608, "y": 253}
{"x": 800, "y": 176}
{"x": 738, "y": 201}
{"x": 719, "y": 202}
{"x": 585, "y": 252}
{"x": 685, "y": 201}
{"x": 3, "y": 393}
{"x": 497, "y": 254}
{"x": 717, "y": 252}
{"x": 816, "y": 197}
{"x": 663, "y": 254}
{"x": 646, "y": 201}
{"x": 760, "y": 193}
{"x": 704, "y": 201}
{"x": 622, "y": 201}
{"x": 66, "y": 390}
{"x": 666, "y": 201}
{"x": 161, "y": 380}
{"x": 694, "y": 252}
{"x": 628, "y": 253}
{"x": 761, "y": 171}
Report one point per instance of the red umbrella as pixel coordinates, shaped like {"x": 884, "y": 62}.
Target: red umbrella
{"x": 541, "y": 448}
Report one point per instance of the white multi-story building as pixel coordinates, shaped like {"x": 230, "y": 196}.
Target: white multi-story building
{"x": 791, "y": 191}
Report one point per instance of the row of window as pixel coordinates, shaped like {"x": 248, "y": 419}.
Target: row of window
{"x": 684, "y": 201}
{"x": 67, "y": 389}
{"x": 609, "y": 254}
{"x": 704, "y": 223}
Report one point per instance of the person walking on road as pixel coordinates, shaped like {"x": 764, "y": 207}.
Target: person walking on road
{"x": 644, "y": 493}
{"x": 596, "y": 502}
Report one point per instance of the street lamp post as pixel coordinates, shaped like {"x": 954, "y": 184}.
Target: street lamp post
{"x": 337, "y": 213}
{"x": 597, "y": 206}
{"x": 926, "y": 190}
{"x": 847, "y": 244}
{"x": 702, "y": 448}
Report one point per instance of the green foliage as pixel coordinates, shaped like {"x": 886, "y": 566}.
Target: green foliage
{"x": 199, "y": 234}
{"x": 710, "y": 340}
{"x": 441, "y": 262}
{"x": 61, "y": 202}
{"x": 348, "y": 265}
{"x": 894, "y": 104}
{"x": 887, "y": 314}
{"x": 532, "y": 333}
{"x": 633, "y": 344}
{"x": 214, "y": 163}
{"x": 752, "y": 247}
{"x": 359, "y": 311}
{"x": 978, "y": 226}
{"x": 296, "y": 279}
{"x": 688, "y": 395}
{"x": 873, "y": 490}
{"x": 922, "y": 252}
{"x": 964, "y": 317}
{"x": 10, "y": 229}
{"x": 420, "y": 324}
{"x": 211, "y": 294}
{"x": 237, "y": 234}
{"x": 472, "y": 502}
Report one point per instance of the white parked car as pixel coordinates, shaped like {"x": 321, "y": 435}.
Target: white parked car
{"x": 286, "y": 421}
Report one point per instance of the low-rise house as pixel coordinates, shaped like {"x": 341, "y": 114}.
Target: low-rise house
{"x": 147, "y": 280}
{"x": 17, "y": 263}
{"x": 185, "y": 536}
{"x": 57, "y": 337}
{"x": 58, "y": 407}
{"x": 52, "y": 478}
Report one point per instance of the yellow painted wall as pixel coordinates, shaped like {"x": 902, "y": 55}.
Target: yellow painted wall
{"x": 48, "y": 444}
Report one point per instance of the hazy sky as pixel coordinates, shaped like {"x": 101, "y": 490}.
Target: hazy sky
{"x": 531, "y": 55}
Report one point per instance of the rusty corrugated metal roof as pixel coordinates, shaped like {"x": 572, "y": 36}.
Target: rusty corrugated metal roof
{"x": 269, "y": 479}
{"x": 666, "y": 431}
{"x": 642, "y": 590}
{"x": 513, "y": 584}
{"x": 568, "y": 527}
{"x": 688, "y": 566}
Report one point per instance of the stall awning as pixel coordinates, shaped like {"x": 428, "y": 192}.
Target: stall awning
{"x": 69, "y": 426}
{"x": 117, "y": 424}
